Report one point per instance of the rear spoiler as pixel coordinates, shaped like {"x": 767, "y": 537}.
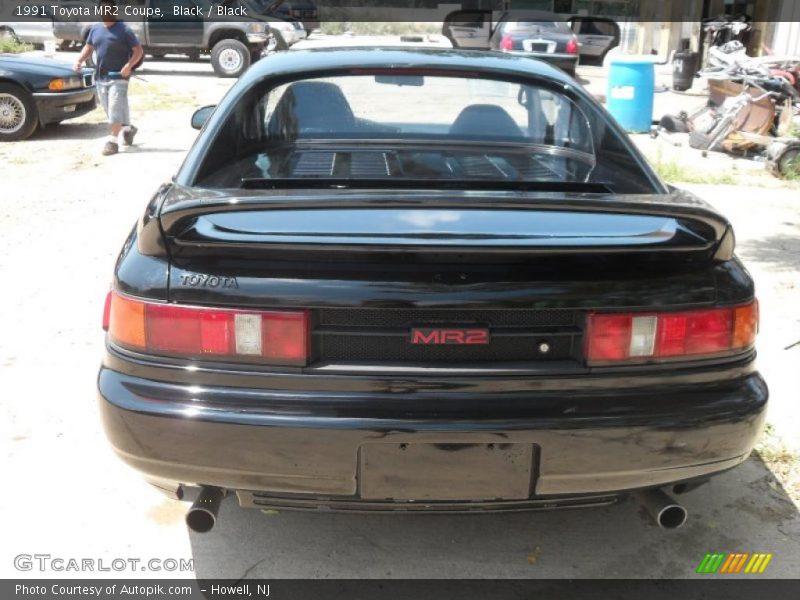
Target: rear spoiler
{"x": 464, "y": 223}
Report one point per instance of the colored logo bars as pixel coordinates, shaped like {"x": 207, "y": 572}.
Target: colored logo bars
{"x": 732, "y": 563}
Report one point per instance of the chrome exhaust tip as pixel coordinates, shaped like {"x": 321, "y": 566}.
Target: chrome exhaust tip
{"x": 664, "y": 510}
{"x": 202, "y": 515}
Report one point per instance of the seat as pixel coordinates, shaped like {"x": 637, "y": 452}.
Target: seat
{"x": 311, "y": 106}
{"x": 485, "y": 120}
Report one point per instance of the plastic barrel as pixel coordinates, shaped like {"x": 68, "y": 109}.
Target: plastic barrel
{"x": 631, "y": 85}
{"x": 684, "y": 66}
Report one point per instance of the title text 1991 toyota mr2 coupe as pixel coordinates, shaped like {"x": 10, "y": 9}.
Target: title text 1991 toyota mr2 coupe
{"x": 426, "y": 280}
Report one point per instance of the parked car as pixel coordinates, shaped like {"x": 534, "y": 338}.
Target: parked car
{"x": 536, "y": 34}
{"x": 233, "y": 42}
{"x": 40, "y": 91}
{"x": 37, "y": 31}
{"x": 286, "y": 30}
{"x": 425, "y": 280}
{"x": 304, "y": 11}
{"x": 596, "y": 36}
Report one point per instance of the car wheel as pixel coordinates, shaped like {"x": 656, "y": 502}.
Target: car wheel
{"x": 280, "y": 43}
{"x": 230, "y": 58}
{"x": 18, "y": 115}
{"x": 158, "y": 55}
{"x": 6, "y": 33}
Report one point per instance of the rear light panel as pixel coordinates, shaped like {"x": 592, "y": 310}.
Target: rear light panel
{"x": 572, "y": 46}
{"x": 506, "y": 43}
{"x": 269, "y": 337}
{"x": 615, "y": 338}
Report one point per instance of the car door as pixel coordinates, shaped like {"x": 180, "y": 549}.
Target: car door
{"x": 469, "y": 29}
{"x": 596, "y": 35}
{"x": 176, "y": 31}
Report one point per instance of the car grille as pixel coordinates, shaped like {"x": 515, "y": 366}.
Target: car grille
{"x": 383, "y": 336}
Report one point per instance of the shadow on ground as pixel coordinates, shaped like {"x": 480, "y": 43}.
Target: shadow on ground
{"x": 743, "y": 510}
{"x": 781, "y": 251}
{"x": 72, "y": 131}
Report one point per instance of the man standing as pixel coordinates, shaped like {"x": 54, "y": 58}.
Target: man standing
{"x": 118, "y": 51}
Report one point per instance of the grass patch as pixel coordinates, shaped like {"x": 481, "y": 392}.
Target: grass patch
{"x": 368, "y": 27}
{"x": 671, "y": 172}
{"x": 781, "y": 460}
{"x": 157, "y": 97}
{"x": 10, "y": 45}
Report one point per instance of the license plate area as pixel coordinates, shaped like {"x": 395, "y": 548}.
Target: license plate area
{"x": 445, "y": 471}
{"x": 539, "y": 45}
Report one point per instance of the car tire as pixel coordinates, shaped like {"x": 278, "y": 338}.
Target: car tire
{"x": 280, "y": 43}
{"x": 18, "y": 115}
{"x": 157, "y": 55}
{"x": 230, "y": 58}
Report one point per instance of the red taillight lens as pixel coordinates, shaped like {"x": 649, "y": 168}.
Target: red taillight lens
{"x": 612, "y": 338}
{"x": 572, "y": 46}
{"x": 506, "y": 43}
{"x": 273, "y": 337}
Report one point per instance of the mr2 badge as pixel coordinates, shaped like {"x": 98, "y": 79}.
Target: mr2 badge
{"x": 449, "y": 335}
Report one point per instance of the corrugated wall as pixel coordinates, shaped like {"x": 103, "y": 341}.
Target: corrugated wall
{"x": 787, "y": 31}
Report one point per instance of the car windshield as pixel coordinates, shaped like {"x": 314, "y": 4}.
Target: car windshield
{"x": 535, "y": 25}
{"x": 402, "y": 127}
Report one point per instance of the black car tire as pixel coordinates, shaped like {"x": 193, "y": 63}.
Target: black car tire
{"x": 157, "y": 55}
{"x": 230, "y": 58}
{"x": 280, "y": 43}
{"x": 16, "y": 103}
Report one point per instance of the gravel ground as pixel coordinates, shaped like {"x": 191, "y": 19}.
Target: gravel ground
{"x": 64, "y": 213}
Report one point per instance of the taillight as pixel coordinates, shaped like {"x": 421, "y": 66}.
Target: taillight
{"x": 271, "y": 336}
{"x": 506, "y": 43}
{"x": 572, "y": 46}
{"x": 637, "y": 337}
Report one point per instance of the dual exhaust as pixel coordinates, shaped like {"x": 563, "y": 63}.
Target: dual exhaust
{"x": 664, "y": 510}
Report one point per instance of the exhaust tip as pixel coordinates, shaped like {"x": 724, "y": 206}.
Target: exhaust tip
{"x": 672, "y": 516}
{"x": 200, "y": 520}
{"x": 663, "y": 509}
{"x": 202, "y": 516}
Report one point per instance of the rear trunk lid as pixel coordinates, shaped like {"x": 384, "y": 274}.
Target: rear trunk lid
{"x": 375, "y": 268}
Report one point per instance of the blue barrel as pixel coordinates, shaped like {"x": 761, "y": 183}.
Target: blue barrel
{"x": 631, "y": 85}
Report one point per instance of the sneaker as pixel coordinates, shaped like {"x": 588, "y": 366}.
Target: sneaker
{"x": 110, "y": 148}
{"x": 128, "y": 135}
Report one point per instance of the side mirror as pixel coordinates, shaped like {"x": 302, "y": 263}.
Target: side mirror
{"x": 201, "y": 115}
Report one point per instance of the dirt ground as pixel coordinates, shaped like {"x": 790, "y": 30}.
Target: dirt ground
{"x": 64, "y": 212}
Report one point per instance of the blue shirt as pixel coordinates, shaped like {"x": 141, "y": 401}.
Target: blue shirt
{"x": 114, "y": 46}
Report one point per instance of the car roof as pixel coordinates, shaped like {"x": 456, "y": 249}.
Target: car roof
{"x": 532, "y": 15}
{"x": 294, "y": 64}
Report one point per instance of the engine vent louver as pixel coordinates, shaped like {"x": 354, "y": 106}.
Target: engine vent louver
{"x": 369, "y": 164}
{"x": 314, "y": 164}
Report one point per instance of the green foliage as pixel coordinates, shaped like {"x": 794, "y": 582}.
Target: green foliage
{"x": 10, "y": 45}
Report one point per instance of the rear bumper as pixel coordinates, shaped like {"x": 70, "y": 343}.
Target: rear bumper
{"x": 58, "y": 106}
{"x": 275, "y": 445}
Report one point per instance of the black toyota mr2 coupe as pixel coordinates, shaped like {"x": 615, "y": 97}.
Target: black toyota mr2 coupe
{"x": 421, "y": 280}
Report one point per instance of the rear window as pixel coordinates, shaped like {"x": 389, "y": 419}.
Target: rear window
{"x": 396, "y": 127}
{"x": 555, "y": 26}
